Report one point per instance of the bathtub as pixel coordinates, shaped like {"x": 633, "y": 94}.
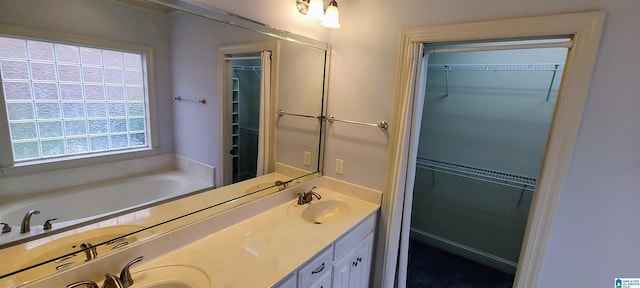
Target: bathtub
{"x": 97, "y": 201}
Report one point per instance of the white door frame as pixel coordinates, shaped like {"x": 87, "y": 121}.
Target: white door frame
{"x": 585, "y": 30}
{"x": 267, "y": 108}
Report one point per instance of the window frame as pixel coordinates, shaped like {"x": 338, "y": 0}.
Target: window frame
{"x": 9, "y": 167}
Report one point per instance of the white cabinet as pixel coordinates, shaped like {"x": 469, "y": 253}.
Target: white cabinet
{"x": 346, "y": 263}
{"x": 289, "y": 282}
{"x": 323, "y": 282}
{"x": 353, "y": 269}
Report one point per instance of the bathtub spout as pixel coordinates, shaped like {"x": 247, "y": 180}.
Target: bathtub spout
{"x": 26, "y": 221}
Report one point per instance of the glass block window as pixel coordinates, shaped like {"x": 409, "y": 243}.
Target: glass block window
{"x": 64, "y": 99}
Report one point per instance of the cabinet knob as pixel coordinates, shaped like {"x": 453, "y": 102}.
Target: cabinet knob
{"x": 354, "y": 263}
{"x": 359, "y": 259}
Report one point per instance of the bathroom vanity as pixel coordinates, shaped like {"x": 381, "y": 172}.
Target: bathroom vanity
{"x": 270, "y": 242}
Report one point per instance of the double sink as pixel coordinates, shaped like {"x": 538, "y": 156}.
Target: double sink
{"x": 331, "y": 209}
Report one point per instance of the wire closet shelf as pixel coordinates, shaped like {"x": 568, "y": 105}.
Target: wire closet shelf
{"x": 498, "y": 67}
{"x": 492, "y": 176}
{"x": 245, "y": 68}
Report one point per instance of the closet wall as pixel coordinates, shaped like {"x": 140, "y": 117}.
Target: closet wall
{"x": 493, "y": 116}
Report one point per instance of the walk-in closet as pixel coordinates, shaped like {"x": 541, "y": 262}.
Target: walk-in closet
{"x": 245, "y": 114}
{"x": 485, "y": 123}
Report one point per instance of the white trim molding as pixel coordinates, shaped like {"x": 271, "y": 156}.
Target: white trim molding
{"x": 585, "y": 30}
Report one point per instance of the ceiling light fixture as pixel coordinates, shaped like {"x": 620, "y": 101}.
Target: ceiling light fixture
{"x": 331, "y": 17}
{"x": 314, "y": 9}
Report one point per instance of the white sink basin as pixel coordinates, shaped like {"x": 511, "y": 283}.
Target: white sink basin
{"x": 322, "y": 211}
{"x": 170, "y": 276}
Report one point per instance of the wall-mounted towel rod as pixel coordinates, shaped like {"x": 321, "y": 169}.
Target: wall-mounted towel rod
{"x": 282, "y": 113}
{"x": 382, "y": 125}
{"x": 201, "y": 101}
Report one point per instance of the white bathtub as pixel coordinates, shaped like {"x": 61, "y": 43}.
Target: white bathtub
{"x": 89, "y": 202}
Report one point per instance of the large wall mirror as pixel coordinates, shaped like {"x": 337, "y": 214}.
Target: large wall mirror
{"x": 124, "y": 119}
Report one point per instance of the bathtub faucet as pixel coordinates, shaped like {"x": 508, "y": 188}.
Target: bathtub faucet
{"x": 26, "y": 222}
{"x": 282, "y": 184}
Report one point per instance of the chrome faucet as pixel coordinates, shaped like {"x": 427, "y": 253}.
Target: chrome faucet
{"x": 112, "y": 281}
{"x": 125, "y": 280}
{"x": 307, "y": 197}
{"x": 90, "y": 251}
{"x": 86, "y": 283}
{"x": 125, "y": 274}
{"x": 26, "y": 221}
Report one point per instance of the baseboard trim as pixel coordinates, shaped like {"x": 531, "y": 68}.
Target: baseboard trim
{"x": 465, "y": 251}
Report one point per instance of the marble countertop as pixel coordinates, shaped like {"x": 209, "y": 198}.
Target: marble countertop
{"x": 41, "y": 248}
{"x": 264, "y": 249}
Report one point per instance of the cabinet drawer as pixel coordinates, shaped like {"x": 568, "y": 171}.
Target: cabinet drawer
{"x": 323, "y": 282}
{"x": 316, "y": 267}
{"x": 354, "y": 236}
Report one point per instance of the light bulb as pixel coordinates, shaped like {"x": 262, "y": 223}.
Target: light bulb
{"x": 332, "y": 17}
{"x": 316, "y": 10}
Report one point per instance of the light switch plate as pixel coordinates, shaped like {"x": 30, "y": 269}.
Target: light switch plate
{"x": 307, "y": 158}
{"x": 339, "y": 166}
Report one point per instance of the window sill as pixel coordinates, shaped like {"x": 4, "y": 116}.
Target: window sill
{"x": 39, "y": 166}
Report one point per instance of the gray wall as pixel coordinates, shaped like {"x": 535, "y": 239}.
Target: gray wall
{"x": 496, "y": 120}
{"x": 300, "y": 91}
{"x": 194, "y": 49}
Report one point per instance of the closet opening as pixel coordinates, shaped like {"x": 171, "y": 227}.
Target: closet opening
{"x": 485, "y": 119}
{"x": 247, "y": 97}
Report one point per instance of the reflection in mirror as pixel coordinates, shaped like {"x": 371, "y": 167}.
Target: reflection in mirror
{"x": 247, "y": 93}
{"x": 173, "y": 148}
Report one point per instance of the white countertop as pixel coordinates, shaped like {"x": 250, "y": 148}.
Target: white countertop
{"x": 264, "y": 249}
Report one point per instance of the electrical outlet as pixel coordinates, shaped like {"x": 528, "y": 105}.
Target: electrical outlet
{"x": 307, "y": 158}
{"x": 339, "y": 166}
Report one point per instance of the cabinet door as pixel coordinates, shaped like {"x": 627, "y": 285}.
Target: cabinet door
{"x": 341, "y": 270}
{"x": 361, "y": 263}
{"x": 289, "y": 282}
